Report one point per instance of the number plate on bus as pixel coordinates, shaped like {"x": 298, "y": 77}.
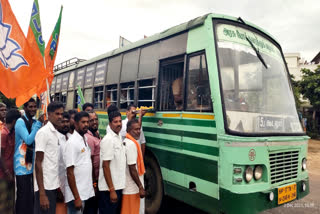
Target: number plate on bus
{"x": 287, "y": 193}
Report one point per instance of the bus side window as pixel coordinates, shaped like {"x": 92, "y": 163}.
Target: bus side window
{"x": 111, "y": 95}
{"x": 98, "y": 97}
{"x": 198, "y": 87}
{"x": 146, "y": 93}
{"x": 127, "y": 95}
{"x": 171, "y": 87}
{"x": 57, "y": 97}
{"x": 70, "y": 98}
{"x": 88, "y": 95}
{"x": 63, "y": 98}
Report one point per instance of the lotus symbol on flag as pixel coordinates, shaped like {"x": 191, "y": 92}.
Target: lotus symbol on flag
{"x": 8, "y": 48}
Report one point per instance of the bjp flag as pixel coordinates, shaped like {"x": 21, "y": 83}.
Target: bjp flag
{"x": 20, "y": 67}
{"x": 80, "y": 99}
{"x": 36, "y": 42}
{"x": 51, "y": 50}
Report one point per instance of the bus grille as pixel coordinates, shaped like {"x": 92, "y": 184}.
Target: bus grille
{"x": 283, "y": 166}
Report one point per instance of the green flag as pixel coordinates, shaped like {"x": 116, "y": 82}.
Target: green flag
{"x": 34, "y": 36}
{"x": 80, "y": 100}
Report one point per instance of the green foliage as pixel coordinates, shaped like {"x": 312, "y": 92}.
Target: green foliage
{"x": 9, "y": 102}
{"x": 310, "y": 86}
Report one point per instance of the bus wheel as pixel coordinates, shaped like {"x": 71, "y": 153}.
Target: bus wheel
{"x": 153, "y": 186}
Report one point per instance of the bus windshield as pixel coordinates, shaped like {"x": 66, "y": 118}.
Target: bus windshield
{"x": 256, "y": 92}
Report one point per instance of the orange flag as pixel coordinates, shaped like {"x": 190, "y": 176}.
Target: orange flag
{"x": 36, "y": 42}
{"x": 50, "y": 53}
{"x": 20, "y": 68}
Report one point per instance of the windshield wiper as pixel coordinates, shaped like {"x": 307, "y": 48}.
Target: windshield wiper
{"x": 254, "y": 47}
{"x": 257, "y": 52}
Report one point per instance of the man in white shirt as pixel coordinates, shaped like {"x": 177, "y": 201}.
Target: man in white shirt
{"x": 47, "y": 161}
{"x": 77, "y": 157}
{"x": 112, "y": 167}
{"x": 63, "y": 136}
{"x": 135, "y": 170}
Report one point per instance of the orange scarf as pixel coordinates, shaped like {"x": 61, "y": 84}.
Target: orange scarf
{"x": 140, "y": 163}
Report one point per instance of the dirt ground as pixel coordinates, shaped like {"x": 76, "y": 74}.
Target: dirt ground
{"x": 313, "y": 162}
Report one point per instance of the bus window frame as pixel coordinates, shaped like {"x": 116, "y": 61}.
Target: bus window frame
{"x": 153, "y": 87}
{"x": 111, "y": 90}
{"x": 103, "y": 96}
{"x": 169, "y": 61}
{"x": 198, "y": 53}
{"x": 92, "y": 94}
{"x": 127, "y": 88}
{"x": 217, "y": 21}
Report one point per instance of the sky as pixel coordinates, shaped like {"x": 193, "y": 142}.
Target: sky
{"x": 91, "y": 28}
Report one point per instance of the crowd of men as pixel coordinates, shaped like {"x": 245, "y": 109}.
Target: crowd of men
{"x": 62, "y": 165}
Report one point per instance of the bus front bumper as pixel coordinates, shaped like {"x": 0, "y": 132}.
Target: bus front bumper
{"x": 255, "y": 202}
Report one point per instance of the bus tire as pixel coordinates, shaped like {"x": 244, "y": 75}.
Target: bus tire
{"x": 153, "y": 185}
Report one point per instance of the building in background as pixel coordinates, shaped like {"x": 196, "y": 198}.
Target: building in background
{"x": 295, "y": 63}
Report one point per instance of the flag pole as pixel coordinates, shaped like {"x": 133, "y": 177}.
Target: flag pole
{"x": 48, "y": 92}
{"x": 47, "y": 83}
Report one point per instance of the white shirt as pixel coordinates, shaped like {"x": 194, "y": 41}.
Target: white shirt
{"x": 62, "y": 163}
{"x": 123, "y": 132}
{"x": 108, "y": 129}
{"x": 77, "y": 153}
{"x": 132, "y": 155}
{"x": 113, "y": 150}
{"x": 46, "y": 141}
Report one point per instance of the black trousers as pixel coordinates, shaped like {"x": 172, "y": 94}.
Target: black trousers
{"x": 91, "y": 206}
{"x": 52, "y": 197}
{"x": 105, "y": 206}
{"x": 25, "y": 195}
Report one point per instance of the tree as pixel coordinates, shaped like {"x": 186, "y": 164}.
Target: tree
{"x": 9, "y": 102}
{"x": 310, "y": 88}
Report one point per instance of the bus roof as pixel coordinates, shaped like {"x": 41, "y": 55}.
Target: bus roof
{"x": 156, "y": 37}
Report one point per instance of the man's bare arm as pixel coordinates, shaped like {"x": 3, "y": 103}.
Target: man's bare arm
{"x": 73, "y": 187}
{"x": 44, "y": 202}
{"x": 107, "y": 174}
{"x": 39, "y": 172}
{"x": 134, "y": 175}
{"x": 143, "y": 149}
{"x": 72, "y": 182}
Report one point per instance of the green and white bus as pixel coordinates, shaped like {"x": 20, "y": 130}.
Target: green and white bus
{"x": 224, "y": 136}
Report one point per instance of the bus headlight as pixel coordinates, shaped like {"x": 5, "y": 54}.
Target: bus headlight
{"x": 258, "y": 172}
{"x": 271, "y": 196}
{"x": 304, "y": 186}
{"x": 304, "y": 164}
{"x": 248, "y": 174}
